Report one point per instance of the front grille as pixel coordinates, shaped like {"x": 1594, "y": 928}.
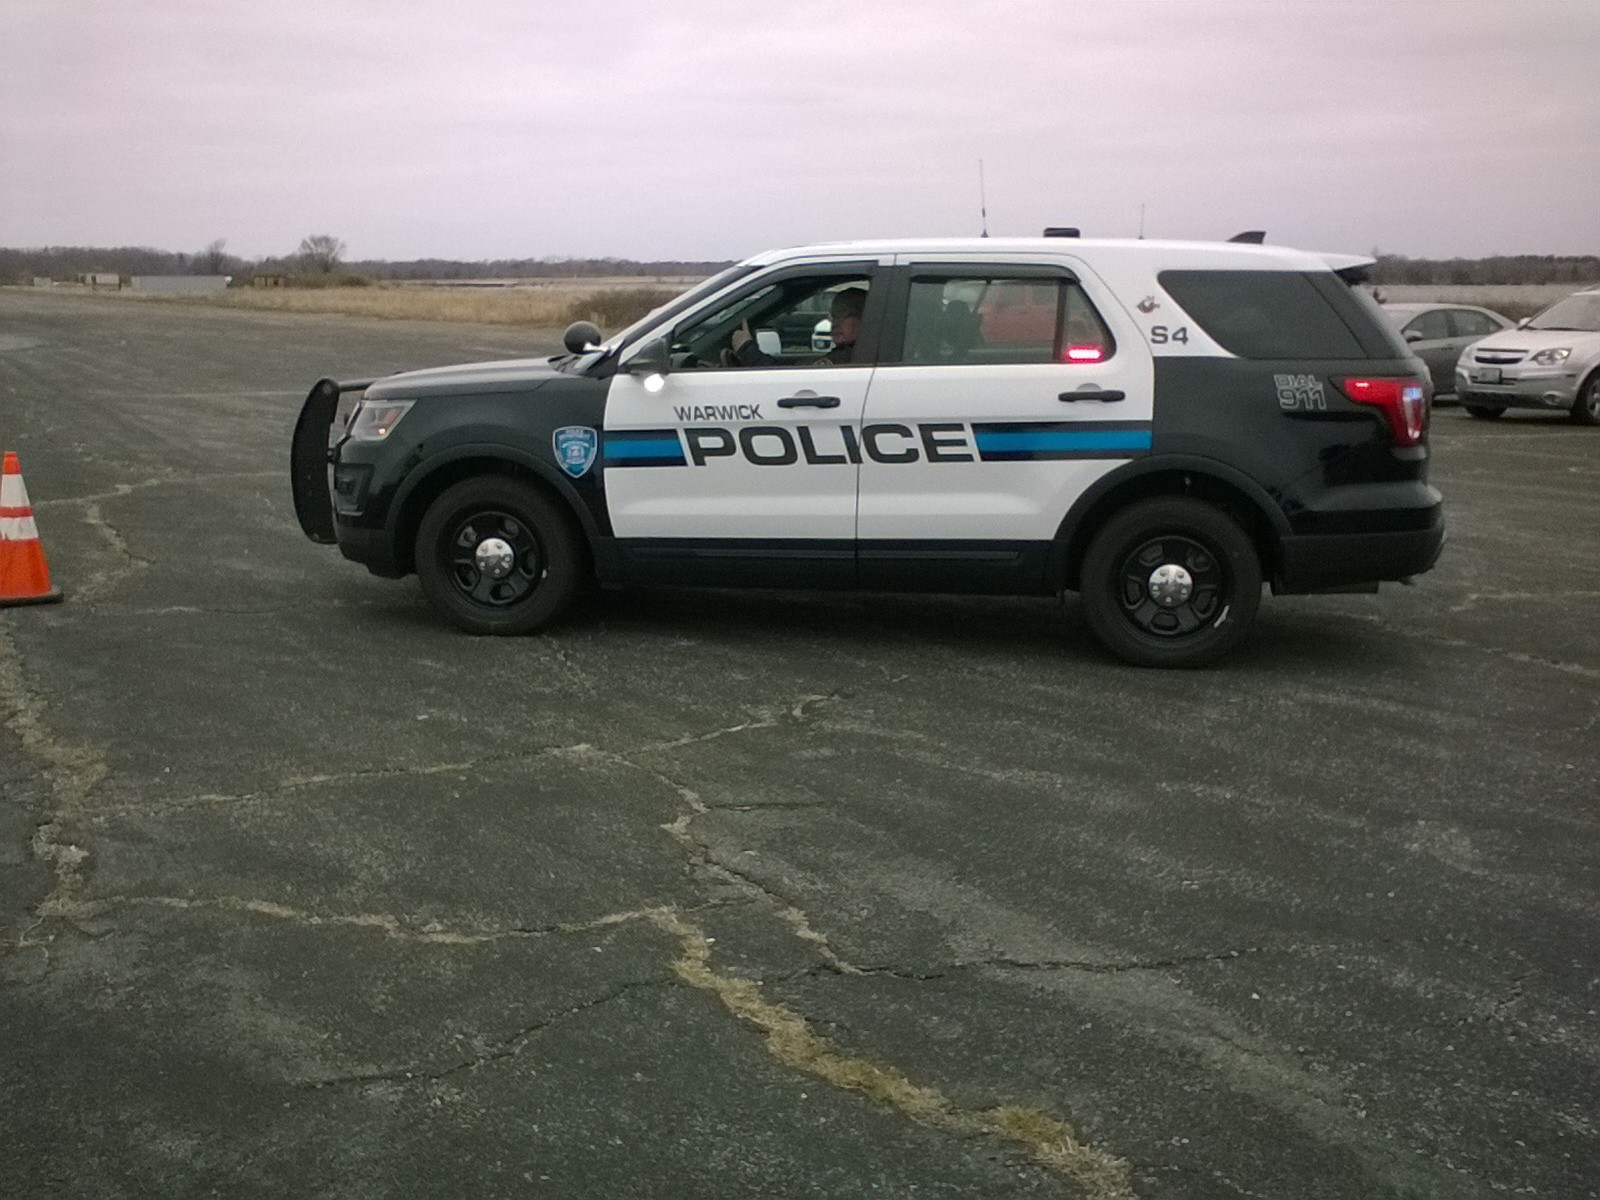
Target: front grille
{"x": 1499, "y": 357}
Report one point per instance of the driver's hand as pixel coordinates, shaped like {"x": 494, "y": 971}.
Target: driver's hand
{"x": 741, "y": 337}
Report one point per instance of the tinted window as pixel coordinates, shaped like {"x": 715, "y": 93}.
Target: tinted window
{"x": 1263, "y": 314}
{"x": 972, "y": 319}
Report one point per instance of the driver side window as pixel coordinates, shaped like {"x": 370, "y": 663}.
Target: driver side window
{"x": 786, "y": 323}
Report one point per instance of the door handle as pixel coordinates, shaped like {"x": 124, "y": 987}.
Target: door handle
{"x": 808, "y": 399}
{"x": 1110, "y": 396}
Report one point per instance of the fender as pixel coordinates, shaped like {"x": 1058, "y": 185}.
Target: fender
{"x": 431, "y": 466}
{"x": 1160, "y": 464}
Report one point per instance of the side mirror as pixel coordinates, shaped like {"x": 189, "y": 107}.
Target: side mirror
{"x": 769, "y": 342}
{"x": 652, "y": 358}
{"x": 581, "y": 336}
{"x": 1413, "y": 335}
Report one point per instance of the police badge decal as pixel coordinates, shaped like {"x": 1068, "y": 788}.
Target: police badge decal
{"x": 575, "y": 447}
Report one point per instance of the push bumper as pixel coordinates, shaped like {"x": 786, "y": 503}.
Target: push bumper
{"x": 310, "y": 458}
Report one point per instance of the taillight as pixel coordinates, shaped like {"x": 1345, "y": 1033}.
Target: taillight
{"x": 1404, "y": 402}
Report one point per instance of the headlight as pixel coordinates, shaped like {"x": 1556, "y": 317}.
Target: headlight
{"x": 1549, "y": 358}
{"x": 374, "y": 420}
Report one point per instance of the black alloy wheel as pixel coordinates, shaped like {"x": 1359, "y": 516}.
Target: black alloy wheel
{"x": 496, "y": 556}
{"x": 1171, "y": 582}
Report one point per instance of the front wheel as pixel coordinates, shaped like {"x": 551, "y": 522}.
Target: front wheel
{"x": 1586, "y": 408}
{"x": 1171, "y": 582}
{"x": 1486, "y": 412}
{"x": 497, "y": 556}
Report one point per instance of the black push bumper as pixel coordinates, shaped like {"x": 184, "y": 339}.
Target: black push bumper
{"x": 310, "y": 455}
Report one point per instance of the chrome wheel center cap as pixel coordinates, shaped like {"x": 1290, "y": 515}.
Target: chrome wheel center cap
{"x": 495, "y": 557}
{"x": 1170, "y": 585}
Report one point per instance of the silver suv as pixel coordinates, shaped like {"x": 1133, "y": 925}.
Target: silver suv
{"x": 1550, "y": 361}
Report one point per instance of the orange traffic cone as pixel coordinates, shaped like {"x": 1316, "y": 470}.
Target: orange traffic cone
{"x": 24, "y": 579}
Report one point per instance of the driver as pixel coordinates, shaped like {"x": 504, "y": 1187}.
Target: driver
{"x": 844, "y": 313}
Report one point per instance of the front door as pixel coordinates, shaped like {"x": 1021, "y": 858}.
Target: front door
{"x": 739, "y": 465}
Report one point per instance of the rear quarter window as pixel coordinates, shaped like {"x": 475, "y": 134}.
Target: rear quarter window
{"x": 1264, "y": 314}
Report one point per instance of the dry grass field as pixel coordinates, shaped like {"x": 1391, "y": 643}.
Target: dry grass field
{"x": 1515, "y": 300}
{"x": 610, "y": 303}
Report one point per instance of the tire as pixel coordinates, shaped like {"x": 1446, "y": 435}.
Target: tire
{"x": 1485, "y": 412}
{"x": 1586, "y": 408}
{"x": 538, "y": 572}
{"x": 1205, "y": 547}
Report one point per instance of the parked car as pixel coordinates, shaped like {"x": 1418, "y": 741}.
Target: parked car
{"x": 1438, "y": 333}
{"x": 1551, "y": 361}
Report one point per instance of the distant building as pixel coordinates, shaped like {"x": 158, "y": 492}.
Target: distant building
{"x": 179, "y": 283}
{"x": 102, "y": 279}
{"x": 269, "y": 279}
{"x": 42, "y": 281}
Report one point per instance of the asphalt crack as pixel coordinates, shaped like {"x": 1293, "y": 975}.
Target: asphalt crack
{"x": 125, "y": 561}
{"x": 499, "y": 1051}
{"x": 71, "y": 770}
{"x": 790, "y": 1039}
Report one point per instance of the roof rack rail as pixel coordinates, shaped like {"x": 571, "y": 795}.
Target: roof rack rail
{"x": 1251, "y": 237}
{"x": 1061, "y": 231}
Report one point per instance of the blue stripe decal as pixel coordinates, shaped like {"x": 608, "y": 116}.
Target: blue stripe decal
{"x": 1062, "y": 439}
{"x": 643, "y": 448}
{"x": 1023, "y": 441}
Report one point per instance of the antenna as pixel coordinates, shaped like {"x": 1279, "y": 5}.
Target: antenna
{"x": 983, "y": 201}
{"x": 1141, "y": 222}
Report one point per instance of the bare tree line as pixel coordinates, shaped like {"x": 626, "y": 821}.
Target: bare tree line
{"x": 319, "y": 255}
{"x": 322, "y": 255}
{"x": 1498, "y": 269}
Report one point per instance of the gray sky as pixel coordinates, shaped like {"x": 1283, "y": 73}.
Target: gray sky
{"x": 479, "y": 129}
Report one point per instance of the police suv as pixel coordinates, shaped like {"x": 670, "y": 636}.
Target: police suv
{"x": 1158, "y": 426}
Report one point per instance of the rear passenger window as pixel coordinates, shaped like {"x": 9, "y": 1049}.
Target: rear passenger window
{"x": 1263, "y": 314}
{"x": 1431, "y": 326}
{"x": 971, "y": 320}
{"x": 1472, "y": 324}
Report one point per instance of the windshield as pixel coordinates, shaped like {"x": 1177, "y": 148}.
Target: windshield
{"x": 691, "y": 297}
{"x": 1580, "y": 312}
{"x": 579, "y": 363}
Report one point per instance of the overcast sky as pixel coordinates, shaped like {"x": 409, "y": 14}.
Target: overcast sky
{"x": 477, "y": 129}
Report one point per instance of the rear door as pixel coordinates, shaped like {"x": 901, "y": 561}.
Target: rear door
{"x": 1431, "y": 339}
{"x": 1003, "y": 392}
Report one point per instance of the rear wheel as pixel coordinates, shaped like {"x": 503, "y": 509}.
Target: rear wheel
{"x": 1586, "y": 408}
{"x": 497, "y": 556}
{"x": 1171, "y": 582}
{"x": 1485, "y": 412}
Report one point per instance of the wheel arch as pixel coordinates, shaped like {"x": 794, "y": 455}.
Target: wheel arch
{"x": 1201, "y": 478}
{"x": 465, "y": 462}
{"x": 1587, "y": 386}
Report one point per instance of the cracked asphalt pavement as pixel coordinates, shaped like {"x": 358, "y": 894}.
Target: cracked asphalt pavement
{"x": 713, "y": 894}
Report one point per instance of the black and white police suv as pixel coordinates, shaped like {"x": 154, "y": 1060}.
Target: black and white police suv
{"x": 1159, "y": 426}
